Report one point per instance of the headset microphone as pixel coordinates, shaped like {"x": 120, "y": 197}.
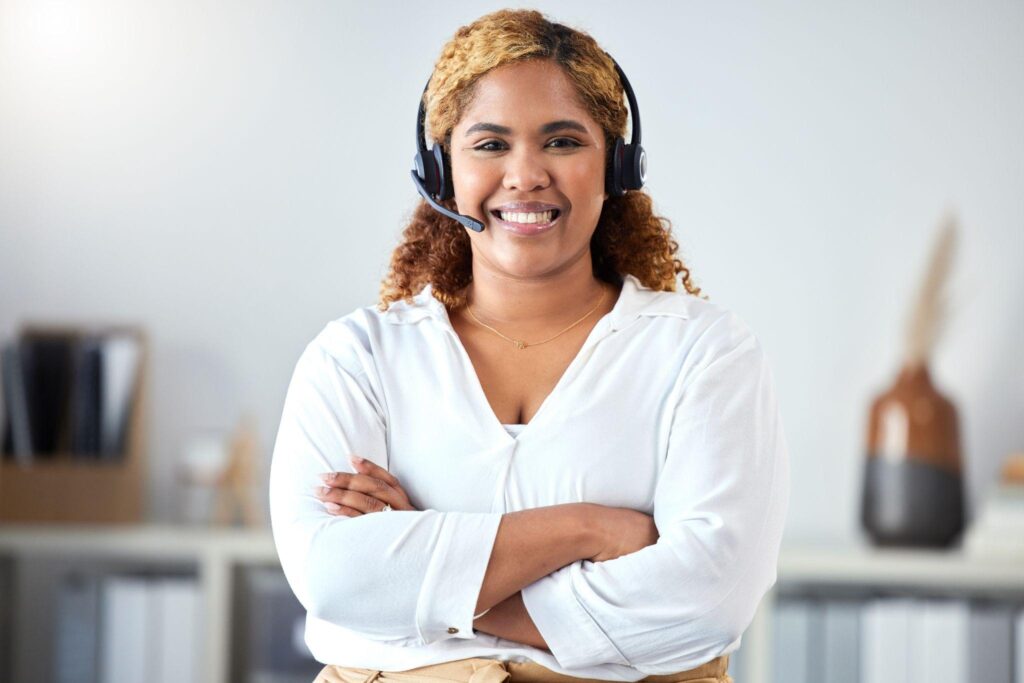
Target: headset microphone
{"x": 468, "y": 221}
{"x": 432, "y": 173}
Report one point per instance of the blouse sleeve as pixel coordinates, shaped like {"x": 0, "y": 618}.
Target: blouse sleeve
{"x": 720, "y": 506}
{"x": 406, "y": 577}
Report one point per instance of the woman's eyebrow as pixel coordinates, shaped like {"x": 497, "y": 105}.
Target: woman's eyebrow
{"x": 564, "y": 124}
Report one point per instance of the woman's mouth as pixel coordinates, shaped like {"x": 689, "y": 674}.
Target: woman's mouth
{"x": 526, "y": 222}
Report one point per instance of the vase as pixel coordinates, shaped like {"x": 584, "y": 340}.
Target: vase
{"x": 913, "y": 492}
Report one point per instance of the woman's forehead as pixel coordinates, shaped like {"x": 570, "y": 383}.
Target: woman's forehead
{"x": 524, "y": 92}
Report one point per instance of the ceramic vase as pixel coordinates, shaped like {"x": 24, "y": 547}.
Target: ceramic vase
{"x": 913, "y": 492}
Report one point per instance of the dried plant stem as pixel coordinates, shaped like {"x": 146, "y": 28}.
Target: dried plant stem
{"x": 928, "y": 314}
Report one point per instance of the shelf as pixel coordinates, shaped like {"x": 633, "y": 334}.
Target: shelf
{"x": 216, "y": 552}
{"x": 144, "y": 541}
{"x": 897, "y": 568}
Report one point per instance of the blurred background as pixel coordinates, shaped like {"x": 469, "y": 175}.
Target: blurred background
{"x": 228, "y": 177}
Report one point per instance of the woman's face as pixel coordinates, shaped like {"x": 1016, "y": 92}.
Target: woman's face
{"x": 526, "y": 145}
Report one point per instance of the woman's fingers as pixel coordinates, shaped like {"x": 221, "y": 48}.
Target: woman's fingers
{"x": 345, "y": 510}
{"x": 368, "y": 467}
{"x": 358, "y": 492}
{"x": 368, "y": 489}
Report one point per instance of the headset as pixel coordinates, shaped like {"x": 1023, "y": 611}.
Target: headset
{"x": 626, "y": 168}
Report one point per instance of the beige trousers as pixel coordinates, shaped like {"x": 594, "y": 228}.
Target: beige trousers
{"x": 482, "y": 670}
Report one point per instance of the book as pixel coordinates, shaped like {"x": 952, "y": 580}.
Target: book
{"x": 126, "y": 630}
{"x": 18, "y": 427}
{"x": 956, "y": 640}
{"x": 122, "y": 354}
{"x": 76, "y": 639}
{"x": 791, "y": 620}
{"x": 86, "y": 397}
{"x": 178, "y": 630}
{"x": 938, "y": 641}
{"x": 275, "y": 629}
{"x": 70, "y": 392}
{"x": 990, "y": 643}
{"x": 840, "y": 641}
{"x": 46, "y": 361}
{"x": 885, "y": 640}
{"x": 1018, "y": 646}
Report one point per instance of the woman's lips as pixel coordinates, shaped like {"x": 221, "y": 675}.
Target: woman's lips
{"x": 526, "y": 228}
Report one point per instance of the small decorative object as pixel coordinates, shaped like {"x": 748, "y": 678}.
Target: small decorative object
{"x": 998, "y": 529}
{"x": 205, "y": 459}
{"x": 236, "y": 504}
{"x": 913, "y": 481}
{"x": 218, "y": 477}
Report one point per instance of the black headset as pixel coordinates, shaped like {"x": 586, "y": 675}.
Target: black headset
{"x": 626, "y": 169}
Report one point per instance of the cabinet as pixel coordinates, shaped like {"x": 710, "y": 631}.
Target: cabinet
{"x": 223, "y": 559}
{"x": 34, "y": 557}
{"x": 865, "y": 573}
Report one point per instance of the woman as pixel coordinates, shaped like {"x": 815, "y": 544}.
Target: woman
{"x": 583, "y": 470}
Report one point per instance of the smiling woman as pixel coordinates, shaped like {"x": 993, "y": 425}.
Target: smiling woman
{"x": 527, "y": 178}
{"x": 505, "y": 87}
{"x": 584, "y": 469}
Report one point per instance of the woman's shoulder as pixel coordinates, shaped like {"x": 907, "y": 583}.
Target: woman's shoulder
{"x": 702, "y": 331}
{"x": 701, "y": 315}
{"x": 353, "y": 338}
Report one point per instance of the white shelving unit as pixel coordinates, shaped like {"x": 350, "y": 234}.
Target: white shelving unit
{"x": 213, "y": 552}
{"x": 217, "y": 552}
{"x": 868, "y": 570}
{"x": 940, "y": 570}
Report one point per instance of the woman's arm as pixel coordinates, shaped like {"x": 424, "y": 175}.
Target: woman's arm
{"x": 510, "y": 620}
{"x": 720, "y": 507}
{"x": 577, "y": 531}
{"x": 606, "y": 533}
{"x": 533, "y": 543}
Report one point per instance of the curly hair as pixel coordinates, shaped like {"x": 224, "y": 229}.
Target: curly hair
{"x": 629, "y": 237}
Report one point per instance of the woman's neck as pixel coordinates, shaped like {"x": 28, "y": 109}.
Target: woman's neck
{"x": 537, "y": 304}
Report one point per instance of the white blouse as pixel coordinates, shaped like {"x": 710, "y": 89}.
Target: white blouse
{"x": 668, "y": 408}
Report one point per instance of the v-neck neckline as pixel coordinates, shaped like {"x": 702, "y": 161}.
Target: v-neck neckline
{"x": 479, "y": 400}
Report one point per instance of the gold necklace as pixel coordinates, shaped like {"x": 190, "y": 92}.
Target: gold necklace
{"x": 520, "y": 344}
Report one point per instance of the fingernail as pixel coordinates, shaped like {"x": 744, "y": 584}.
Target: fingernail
{"x": 356, "y": 459}
{"x": 326, "y": 477}
{"x": 333, "y": 507}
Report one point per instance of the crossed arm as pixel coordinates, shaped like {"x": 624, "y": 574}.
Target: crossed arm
{"x": 530, "y": 544}
{"x": 720, "y": 505}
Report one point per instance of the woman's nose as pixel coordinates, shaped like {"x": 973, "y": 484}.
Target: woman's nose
{"x": 526, "y": 171}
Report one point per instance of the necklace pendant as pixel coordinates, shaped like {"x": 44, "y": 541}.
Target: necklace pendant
{"x": 519, "y": 344}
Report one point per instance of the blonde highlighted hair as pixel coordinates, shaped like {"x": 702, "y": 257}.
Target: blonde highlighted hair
{"x": 629, "y": 237}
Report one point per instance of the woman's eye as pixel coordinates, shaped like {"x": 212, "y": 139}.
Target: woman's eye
{"x": 496, "y": 146}
{"x": 486, "y": 147}
{"x": 571, "y": 143}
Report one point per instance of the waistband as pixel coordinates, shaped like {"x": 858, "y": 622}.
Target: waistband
{"x": 484, "y": 670}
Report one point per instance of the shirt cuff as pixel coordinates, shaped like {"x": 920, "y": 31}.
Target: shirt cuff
{"x": 572, "y": 635}
{"x": 454, "y": 575}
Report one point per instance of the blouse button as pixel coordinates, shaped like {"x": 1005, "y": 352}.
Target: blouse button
{"x": 452, "y": 629}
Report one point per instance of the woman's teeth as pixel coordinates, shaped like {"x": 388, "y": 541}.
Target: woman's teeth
{"x": 542, "y": 217}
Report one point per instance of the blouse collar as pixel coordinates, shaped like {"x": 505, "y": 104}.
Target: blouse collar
{"x": 634, "y": 301}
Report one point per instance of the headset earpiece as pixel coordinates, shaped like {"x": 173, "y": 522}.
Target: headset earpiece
{"x": 627, "y": 169}
{"x": 430, "y": 164}
{"x": 444, "y": 181}
{"x": 432, "y": 174}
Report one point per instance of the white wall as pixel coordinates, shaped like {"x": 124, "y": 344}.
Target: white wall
{"x": 234, "y": 175}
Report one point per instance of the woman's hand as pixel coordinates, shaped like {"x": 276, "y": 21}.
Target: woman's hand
{"x": 621, "y": 531}
{"x": 365, "y": 491}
